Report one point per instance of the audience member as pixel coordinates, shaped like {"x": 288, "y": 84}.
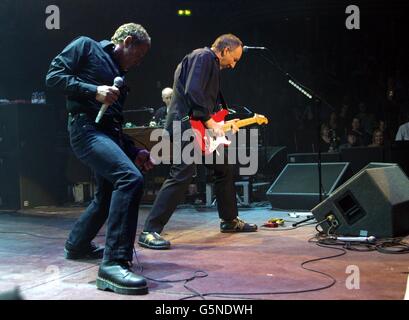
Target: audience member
{"x": 377, "y": 138}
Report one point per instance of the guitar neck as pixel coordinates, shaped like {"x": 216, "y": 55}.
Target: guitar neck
{"x": 240, "y": 123}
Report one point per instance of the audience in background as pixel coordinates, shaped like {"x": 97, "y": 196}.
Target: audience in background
{"x": 377, "y": 88}
{"x": 382, "y": 126}
{"x": 351, "y": 141}
{"x": 334, "y": 126}
{"x": 339, "y": 130}
{"x": 325, "y": 141}
{"x": 356, "y": 129}
{"x": 344, "y": 119}
{"x": 377, "y": 138}
{"x": 366, "y": 119}
{"x": 329, "y": 140}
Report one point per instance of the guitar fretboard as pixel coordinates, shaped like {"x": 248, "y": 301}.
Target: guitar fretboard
{"x": 240, "y": 123}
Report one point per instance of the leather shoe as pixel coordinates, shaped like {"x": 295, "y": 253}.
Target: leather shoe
{"x": 90, "y": 252}
{"x": 153, "y": 240}
{"x": 237, "y": 225}
{"x": 118, "y": 277}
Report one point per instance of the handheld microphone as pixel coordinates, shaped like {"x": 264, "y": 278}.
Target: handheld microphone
{"x": 247, "y": 48}
{"x": 118, "y": 82}
{"x": 370, "y": 239}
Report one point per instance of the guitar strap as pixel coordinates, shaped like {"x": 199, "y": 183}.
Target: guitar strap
{"x": 222, "y": 101}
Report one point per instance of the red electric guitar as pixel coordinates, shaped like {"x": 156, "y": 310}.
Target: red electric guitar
{"x": 207, "y": 143}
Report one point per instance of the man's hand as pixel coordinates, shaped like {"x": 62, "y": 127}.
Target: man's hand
{"x": 107, "y": 94}
{"x": 216, "y": 127}
{"x": 233, "y": 123}
{"x": 144, "y": 161}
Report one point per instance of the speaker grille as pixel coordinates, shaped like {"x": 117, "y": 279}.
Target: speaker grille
{"x": 303, "y": 178}
{"x": 296, "y": 187}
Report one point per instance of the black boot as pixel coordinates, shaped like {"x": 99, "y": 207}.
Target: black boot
{"x": 118, "y": 277}
{"x": 92, "y": 251}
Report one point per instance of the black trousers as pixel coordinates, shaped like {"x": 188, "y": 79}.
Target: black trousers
{"x": 175, "y": 187}
{"x": 119, "y": 190}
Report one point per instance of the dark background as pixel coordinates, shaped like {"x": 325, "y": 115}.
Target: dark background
{"x": 308, "y": 38}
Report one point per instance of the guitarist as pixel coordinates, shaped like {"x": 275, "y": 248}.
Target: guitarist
{"x": 196, "y": 91}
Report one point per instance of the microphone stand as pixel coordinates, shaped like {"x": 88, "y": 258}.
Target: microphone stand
{"x": 311, "y": 96}
{"x": 150, "y": 110}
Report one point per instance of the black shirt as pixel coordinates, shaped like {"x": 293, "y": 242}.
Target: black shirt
{"x": 160, "y": 114}
{"x": 196, "y": 88}
{"x": 77, "y": 71}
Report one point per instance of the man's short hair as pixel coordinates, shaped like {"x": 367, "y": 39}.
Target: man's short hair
{"x": 167, "y": 91}
{"x": 227, "y": 41}
{"x": 136, "y": 31}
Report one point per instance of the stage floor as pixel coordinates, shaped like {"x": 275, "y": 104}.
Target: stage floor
{"x": 31, "y": 257}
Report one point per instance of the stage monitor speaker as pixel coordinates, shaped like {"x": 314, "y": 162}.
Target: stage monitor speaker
{"x": 274, "y": 162}
{"x": 373, "y": 165}
{"x": 27, "y": 180}
{"x": 359, "y": 157}
{"x": 313, "y": 157}
{"x": 296, "y": 188}
{"x": 374, "y": 202}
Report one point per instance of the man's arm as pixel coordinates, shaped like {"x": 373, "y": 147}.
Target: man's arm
{"x": 64, "y": 69}
{"x": 140, "y": 156}
{"x": 129, "y": 147}
{"x": 62, "y": 73}
{"x": 196, "y": 86}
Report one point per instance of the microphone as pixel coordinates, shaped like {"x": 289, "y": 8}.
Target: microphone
{"x": 370, "y": 239}
{"x": 247, "y": 48}
{"x": 118, "y": 82}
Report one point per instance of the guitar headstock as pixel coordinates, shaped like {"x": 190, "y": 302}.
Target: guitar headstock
{"x": 260, "y": 119}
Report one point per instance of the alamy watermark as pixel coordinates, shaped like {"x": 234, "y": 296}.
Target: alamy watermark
{"x": 52, "y": 21}
{"x": 353, "y": 21}
{"x": 353, "y": 281}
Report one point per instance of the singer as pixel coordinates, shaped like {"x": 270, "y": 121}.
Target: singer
{"x": 84, "y": 71}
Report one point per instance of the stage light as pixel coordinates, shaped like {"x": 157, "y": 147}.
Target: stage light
{"x": 184, "y": 12}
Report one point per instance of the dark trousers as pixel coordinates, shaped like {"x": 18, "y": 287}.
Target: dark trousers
{"x": 119, "y": 187}
{"x": 175, "y": 187}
